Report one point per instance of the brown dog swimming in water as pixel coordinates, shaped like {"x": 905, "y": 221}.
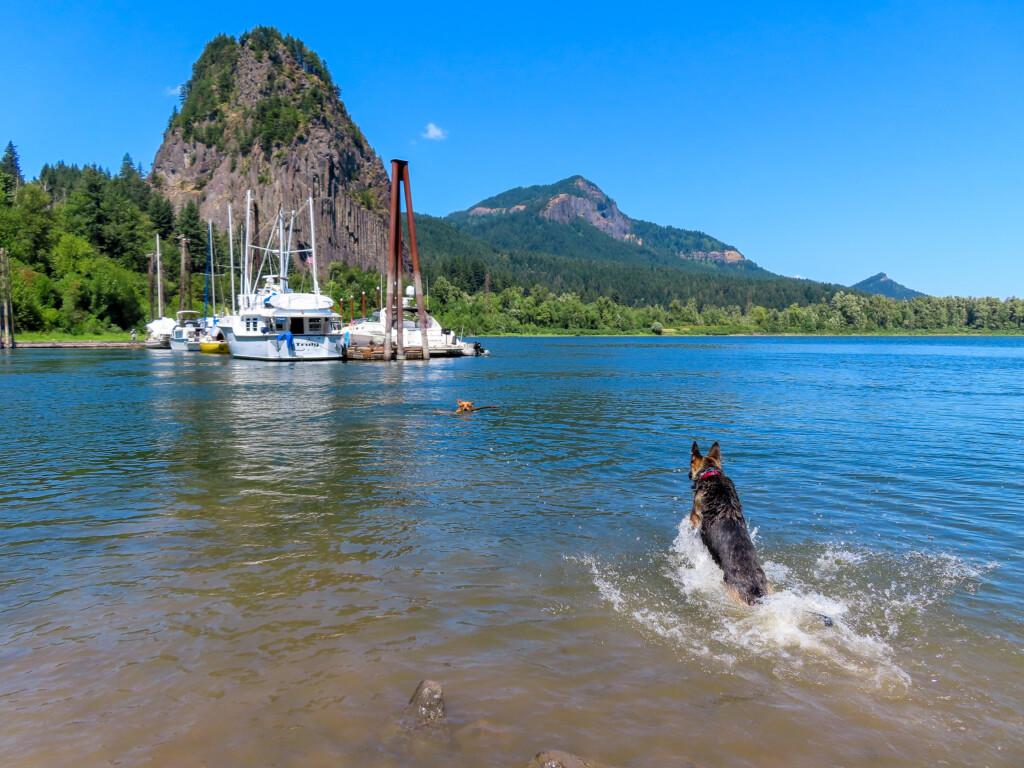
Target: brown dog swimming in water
{"x": 464, "y": 405}
{"x": 719, "y": 516}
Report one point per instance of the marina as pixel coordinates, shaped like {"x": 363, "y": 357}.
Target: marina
{"x": 268, "y": 320}
{"x": 273, "y": 322}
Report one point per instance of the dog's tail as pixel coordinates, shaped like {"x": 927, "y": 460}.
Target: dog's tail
{"x": 826, "y": 620}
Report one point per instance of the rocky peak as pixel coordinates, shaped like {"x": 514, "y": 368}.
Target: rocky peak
{"x": 589, "y": 203}
{"x": 563, "y": 201}
{"x": 262, "y": 114}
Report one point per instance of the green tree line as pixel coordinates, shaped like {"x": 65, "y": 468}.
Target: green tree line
{"x": 540, "y": 310}
{"x": 78, "y": 240}
{"x": 577, "y": 258}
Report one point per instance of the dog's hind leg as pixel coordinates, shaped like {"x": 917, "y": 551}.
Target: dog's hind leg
{"x": 734, "y": 594}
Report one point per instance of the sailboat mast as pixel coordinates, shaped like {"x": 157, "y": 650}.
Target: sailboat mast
{"x": 159, "y": 282}
{"x": 212, "y": 274}
{"x": 245, "y": 256}
{"x": 312, "y": 234}
{"x": 282, "y": 268}
{"x": 231, "y": 257}
{"x": 288, "y": 250}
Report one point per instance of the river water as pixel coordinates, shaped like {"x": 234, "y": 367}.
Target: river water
{"x": 210, "y": 561}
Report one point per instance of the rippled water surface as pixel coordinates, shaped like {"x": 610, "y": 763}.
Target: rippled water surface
{"x": 218, "y": 562}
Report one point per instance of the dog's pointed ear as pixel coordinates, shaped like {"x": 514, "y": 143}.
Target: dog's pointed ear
{"x": 695, "y": 451}
{"x": 715, "y": 454}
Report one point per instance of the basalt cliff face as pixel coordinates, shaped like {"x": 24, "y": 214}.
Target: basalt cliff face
{"x": 262, "y": 114}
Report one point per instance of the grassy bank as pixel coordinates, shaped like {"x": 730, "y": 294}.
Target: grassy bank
{"x": 53, "y": 336}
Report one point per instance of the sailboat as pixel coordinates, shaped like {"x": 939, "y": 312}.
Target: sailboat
{"x": 211, "y": 340}
{"x": 158, "y": 330}
{"x": 273, "y": 322}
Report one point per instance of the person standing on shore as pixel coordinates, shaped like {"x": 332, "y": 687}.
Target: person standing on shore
{"x": 133, "y": 334}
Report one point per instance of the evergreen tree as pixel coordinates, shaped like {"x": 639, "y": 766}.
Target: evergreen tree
{"x": 84, "y": 212}
{"x": 8, "y": 184}
{"x": 191, "y": 226}
{"x": 161, "y": 213}
{"x": 131, "y": 184}
{"x": 59, "y": 180}
{"x": 10, "y": 165}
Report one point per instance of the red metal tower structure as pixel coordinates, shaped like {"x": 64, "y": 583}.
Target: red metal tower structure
{"x": 393, "y": 305}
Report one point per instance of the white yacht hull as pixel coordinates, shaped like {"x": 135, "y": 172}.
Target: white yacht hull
{"x": 270, "y": 348}
{"x": 370, "y": 333}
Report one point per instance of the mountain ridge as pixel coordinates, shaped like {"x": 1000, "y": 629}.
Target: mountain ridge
{"x": 576, "y": 197}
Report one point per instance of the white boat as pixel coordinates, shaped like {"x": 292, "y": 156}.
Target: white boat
{"x": 187, "y": 332}
{"x": 442, "y": 342}
{"x": 273, "y": 322}
{"x": 158, "y": 333}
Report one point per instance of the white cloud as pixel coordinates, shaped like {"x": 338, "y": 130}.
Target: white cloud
{"x": 434, "y": 133}
{"x": 173, "y": 90}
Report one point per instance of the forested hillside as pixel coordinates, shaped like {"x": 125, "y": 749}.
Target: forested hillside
{"x": 78, "y": 239}
{"x": 578, "y": 258}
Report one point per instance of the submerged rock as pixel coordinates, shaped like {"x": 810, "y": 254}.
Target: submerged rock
{"x": 554, "y": 758}
{"x": 427, "y": 702}
{"x": 423, "y": 718}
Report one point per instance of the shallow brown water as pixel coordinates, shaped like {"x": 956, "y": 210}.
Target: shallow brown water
{"x": 212, "y": 562}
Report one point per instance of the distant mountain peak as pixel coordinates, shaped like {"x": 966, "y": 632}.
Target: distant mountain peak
{"x": 564, "y": 201}
{"x": 883, "y": 285}
{"x": 577, "y": 199}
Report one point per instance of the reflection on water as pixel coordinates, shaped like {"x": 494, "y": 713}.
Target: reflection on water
{"x": 210, "y": 561}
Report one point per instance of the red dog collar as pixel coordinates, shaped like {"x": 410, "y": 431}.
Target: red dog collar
{"x": 709, "y": 473}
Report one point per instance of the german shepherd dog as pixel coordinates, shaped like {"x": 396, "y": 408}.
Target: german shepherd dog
{"x": 719, "y": 516}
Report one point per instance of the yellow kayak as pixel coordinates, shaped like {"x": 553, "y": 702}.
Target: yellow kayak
{"x": 215, "y": 347}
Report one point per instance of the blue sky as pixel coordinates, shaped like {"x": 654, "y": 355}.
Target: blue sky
{"x": 827, "y": 142}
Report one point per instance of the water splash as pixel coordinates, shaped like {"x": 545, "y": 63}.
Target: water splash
{"x": 868, "y": 595}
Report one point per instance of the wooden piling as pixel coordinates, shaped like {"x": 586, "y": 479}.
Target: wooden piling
{"x": 152, "y": 285}
{"x": 185, "y": 276}
{"x": 6, "y": 302}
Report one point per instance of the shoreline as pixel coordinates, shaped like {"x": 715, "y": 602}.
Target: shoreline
{"x": 79, "y": 344}
{"x": 73, "y": 343}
